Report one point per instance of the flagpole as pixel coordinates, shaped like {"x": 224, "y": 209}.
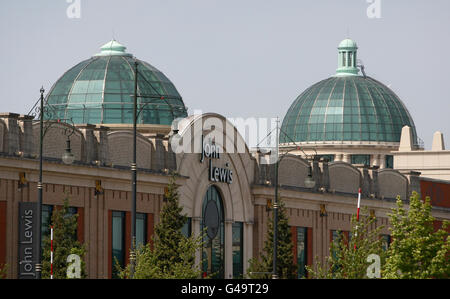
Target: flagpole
{"x": 357, "y": 213}
{"x": 51, "y": 252}
{"x": 359, "y": 203}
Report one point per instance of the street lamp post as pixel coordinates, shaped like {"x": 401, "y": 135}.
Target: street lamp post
{"x": 275, "y": 212}
{"x": 136, "y": 113}
{"x": 134, "y": 175}
{"x": 38, "y": 266}
{"x": 309, "y": 183}
{"x": 67, "y": 158}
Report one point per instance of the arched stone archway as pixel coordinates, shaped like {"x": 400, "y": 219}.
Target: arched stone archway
{"x": 236, "y": 195}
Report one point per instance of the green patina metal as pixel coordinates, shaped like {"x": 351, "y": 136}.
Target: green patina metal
{"x": 347, "y": 58}
{"x": 113, "y": 48}
{"x": 347, "y": 107}
{"x": 100, "y": 90}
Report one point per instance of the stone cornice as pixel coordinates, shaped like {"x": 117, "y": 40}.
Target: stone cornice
{"x": 83, "y": 175}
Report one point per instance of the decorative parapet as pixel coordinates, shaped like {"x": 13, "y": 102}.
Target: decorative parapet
{"x": 11, "y": 133}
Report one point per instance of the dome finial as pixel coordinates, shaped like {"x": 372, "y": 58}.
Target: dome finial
{"x": 113, "y": 48}
{"x": 347, "y": 58}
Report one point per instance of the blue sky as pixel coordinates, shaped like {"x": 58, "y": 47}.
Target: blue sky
{"x": 239, "y": 58}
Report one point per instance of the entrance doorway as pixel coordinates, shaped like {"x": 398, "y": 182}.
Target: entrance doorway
{"x": 213, "y": 251}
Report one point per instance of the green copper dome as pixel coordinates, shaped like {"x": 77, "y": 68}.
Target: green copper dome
{"x": 346, "y": 107}
{"x": 347, "y": 43}
{"x": 100, "y": 90}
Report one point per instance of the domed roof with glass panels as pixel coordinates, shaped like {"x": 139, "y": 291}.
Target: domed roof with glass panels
{"x": 100, "y": 90}
{"x": 346, "y": 107}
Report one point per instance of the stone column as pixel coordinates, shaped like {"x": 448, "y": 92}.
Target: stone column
{"x": 158, "y": 157}
{"x": 101, "y": 134}
{"x": 366, "y": 182}
{"x": 414, "y": 183}
{"x": 438, "y": 142}
{"x": 196, "y": 232}
{"x": 90, "y": 146}
{"x": 375, "y": 160}
{"x": 228, "y": 248}
{"x": 382, "y": 161}
{"x": 317, "y": 175}
{"x": 248, "y": 244}
{"x": 26, "y": 140}
{"x": 326, "y": 176}
{"x": 12, "y": 140}
{"x": 406, "y": 140}
{"x": 347, "y": 158}
{"x": 170, "y": 157}
{"x": 375, "y": 186}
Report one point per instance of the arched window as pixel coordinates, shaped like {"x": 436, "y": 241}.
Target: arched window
{"x": 213, "y": 251}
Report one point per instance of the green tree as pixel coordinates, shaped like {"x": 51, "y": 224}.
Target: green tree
{"x": 417, "y": 250}
{"x": 259, "y": 268}
{"x": 348, "y": 258}
{"x": 65, "y": 243}
{"x": 3, "y": 271}
{"x": 173, "y": 254}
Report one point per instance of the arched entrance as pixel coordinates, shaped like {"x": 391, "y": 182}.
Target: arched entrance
{"x": 213, "y": 251}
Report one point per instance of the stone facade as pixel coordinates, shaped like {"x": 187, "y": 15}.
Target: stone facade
{"x": 434, "y": 163}
{"x": 103, "y": 154}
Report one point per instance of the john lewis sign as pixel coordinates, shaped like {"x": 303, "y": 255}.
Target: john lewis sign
{"x": 28, "y": 247}
{"x": 215, "y": 174}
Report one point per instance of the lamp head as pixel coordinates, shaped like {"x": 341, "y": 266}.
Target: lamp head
{"x": 68, "y": 157}
{"x": 309, "y": 181}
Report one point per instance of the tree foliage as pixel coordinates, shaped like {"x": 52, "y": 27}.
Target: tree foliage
{"x": 348, "y": 258}
{"x": 262, "y": 267}
{"x": 65, "y": 243}
{"x": 417, "y": 251}
{"x": 3, "y": 271}
{"x": 173, "y": 254}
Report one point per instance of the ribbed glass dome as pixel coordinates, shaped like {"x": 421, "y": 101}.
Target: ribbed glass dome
{"x": 346, "y": 107}
{"x": 100, "y": 91}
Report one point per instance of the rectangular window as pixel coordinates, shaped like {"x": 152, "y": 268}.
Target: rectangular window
{"x": 186, "y": 230}
{"x": 301, "y": 251}
{"x": 46, "y": 221}
{"x": 118, "y": 241}
{"x": 350, "y": 59}
{"x": 337, "y": 236}
{"x": 330, "y": 158}
{"x": 73, "y": 211}
{"x": 361, "y": 159}
{"x": 344, "y": 62}
{"x": 238, "y": 249}
{"x": 385, "y": 242}
{"x": 141, "y": 229}
{"x": 389, "y": 161}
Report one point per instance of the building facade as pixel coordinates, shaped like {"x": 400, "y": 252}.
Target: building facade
{"x": 434, "y": 163}
{"x": 222, "y": 185}
{"x": 100, "y": 192}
